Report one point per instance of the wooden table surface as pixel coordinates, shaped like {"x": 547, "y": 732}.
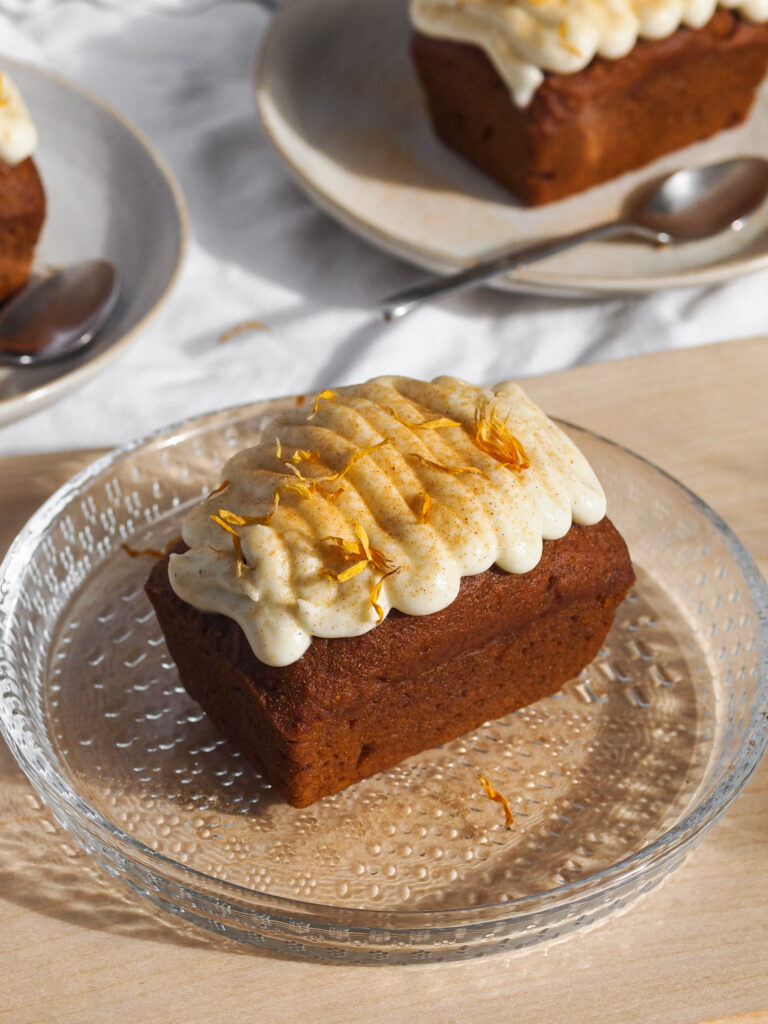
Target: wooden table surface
{"x": 75, "y": 949}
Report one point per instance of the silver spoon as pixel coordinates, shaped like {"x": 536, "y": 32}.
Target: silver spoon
{"x": 57, "y": 316}
{"x": 686, "y": 206}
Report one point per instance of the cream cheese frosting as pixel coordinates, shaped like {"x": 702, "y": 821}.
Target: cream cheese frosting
{"x": 387, "y": 494}
{"x": 18, "y": 135}
{"x": 525, "y": 38}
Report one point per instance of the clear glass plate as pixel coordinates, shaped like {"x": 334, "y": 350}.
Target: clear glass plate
{"x": 612, "y": 781}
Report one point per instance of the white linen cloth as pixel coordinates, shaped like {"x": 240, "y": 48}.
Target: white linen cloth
{"x": 260, "y": 250}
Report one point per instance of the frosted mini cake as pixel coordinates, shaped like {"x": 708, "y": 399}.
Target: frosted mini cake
{"x": 22, "y": 197}
{"x": 550, "y": 97}
{"x": 386, "y": 570}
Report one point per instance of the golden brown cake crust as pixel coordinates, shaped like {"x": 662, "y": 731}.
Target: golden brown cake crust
{"x": 614, "y": 116}
{"x": 22, "y": 212}
{"x": 350, "y": 707}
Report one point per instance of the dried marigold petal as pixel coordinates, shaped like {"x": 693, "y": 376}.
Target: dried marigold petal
{"x": 245, "y": 325}
{"x": 157, "y": 553}
{"x": 346, "y": 548}
{"x": 379, "y": 561}
{"x": 426, "y": 504}
{"x": 373, "y": 597}
{"x": 235, "y": 519}
{"x": 366, "y": 556}
{"x": 275, "y": 502}
{"x": 217, "y": 490}
{"x": 493, "y": 437}
{"x": 362, "y": 536}
{"x": 492, "y": 794}
{"x": 241, "y": 562}
{"x": 563, "y": 32}
{"x": 455, "y": 470}
{"x": 224, "y": 525}
{"x": 375, "y": 593}
{"x": 374, "y": 556}
{"x": 346, "y": 574}
{"x": 231, "y": 518}
{"x": 278, "y": 450}
{"x": 326, "y": 395}
{"x": 441, "y": 421}
{"x": 302, "y": 455}
{"x": 355, "y": 457}
{"x": 306, "y": 490}
{"x": 333, "y": 495}
{"x": 361, "y": 548}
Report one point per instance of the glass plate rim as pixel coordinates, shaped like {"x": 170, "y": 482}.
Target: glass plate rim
{"x": 680, "y": 837}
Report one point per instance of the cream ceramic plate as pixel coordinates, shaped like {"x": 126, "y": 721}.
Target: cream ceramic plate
{"x": 340, "y": 102}
{"x": 109, "y": 195}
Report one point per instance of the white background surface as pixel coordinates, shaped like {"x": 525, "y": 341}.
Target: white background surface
{"x": 259, "y": 250}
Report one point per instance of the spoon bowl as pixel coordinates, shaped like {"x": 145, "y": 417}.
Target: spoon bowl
{"x": 686, "y": 206}
{"x": 59, "y": 315}
{"x": 701, "y": 202}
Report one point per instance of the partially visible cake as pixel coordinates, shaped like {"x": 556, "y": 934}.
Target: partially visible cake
{"x": 551, "y": 97}
{"x": 22, "y": 197}
{"x": 385, "y": 571}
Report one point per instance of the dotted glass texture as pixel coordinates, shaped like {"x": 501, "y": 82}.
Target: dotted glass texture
{"x": 611, "y": 782}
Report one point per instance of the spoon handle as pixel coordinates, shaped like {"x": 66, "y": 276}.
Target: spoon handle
{"x": 404, "y": 302}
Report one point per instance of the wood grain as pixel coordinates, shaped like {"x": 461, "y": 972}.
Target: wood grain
{"x": 75, "y": 949}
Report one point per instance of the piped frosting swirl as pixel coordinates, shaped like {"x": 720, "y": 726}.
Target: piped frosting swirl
{"x": 382, "y": 497}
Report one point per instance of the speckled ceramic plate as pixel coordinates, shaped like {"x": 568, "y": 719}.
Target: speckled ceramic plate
{"x": 340, "y": 102}
{"x": 109, "y": 195}
{"x": 612, "y": 781}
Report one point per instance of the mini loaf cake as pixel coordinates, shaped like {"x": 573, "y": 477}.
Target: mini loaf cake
{"x": 384, "y": 571}
{"x": 551, "y": 97}
{"x": 22, "y": 197}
